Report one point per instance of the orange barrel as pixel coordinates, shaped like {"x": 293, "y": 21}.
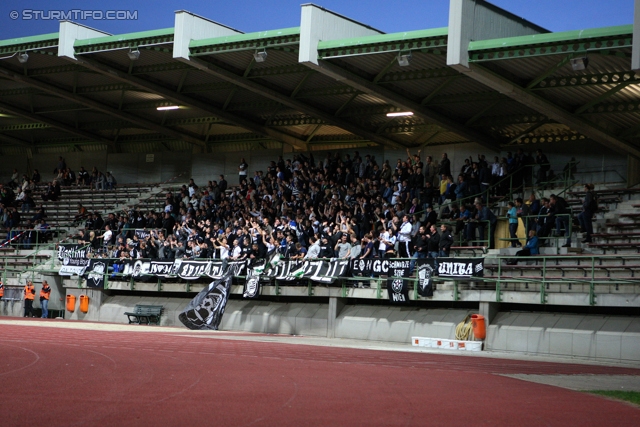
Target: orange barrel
{"x": 479, "y": 328}
{"x": 71, "y": 303}
{"x": 84, "y": 303}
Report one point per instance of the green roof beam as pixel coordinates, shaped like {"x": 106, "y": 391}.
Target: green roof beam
{"x": 243, "y": 42}
{"x": 124, "y": 41}
{"x": 567, "y": 137}
{"x": 586, "y": 80}
{"x": 380, "y": 43}
{"x": 24, "y": 126}
{"x": 490, "y": 121}
{"x": 23, "y": 44}
{"x": 552, "y": 43}
{"x": 425, "y": 74}
{"x": 597, "y": 100}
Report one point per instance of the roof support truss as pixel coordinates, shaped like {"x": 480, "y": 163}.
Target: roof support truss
{"x": 182, "y": 99}
{"x": 270, "y": 93}
{"x": 99, "y": 106}
{"x": 394, "y": 98}
{"x": 549, "y": 109}
{"x": 53, "y": 123}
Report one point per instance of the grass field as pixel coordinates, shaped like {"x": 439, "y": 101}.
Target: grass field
{"x": 629, "y": 396}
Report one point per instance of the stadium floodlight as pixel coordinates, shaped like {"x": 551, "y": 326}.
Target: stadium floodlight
{"x": 579, "y": 64}
{"x": 134, "y": 55}
{"x": 23, "y": 57}
{"x": 400, "y": 114}
{"x": 404, "y": 59}
{"x": 260, "y": 56}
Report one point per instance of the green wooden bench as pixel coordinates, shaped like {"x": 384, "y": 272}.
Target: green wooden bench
{"x": 145, "y": 314}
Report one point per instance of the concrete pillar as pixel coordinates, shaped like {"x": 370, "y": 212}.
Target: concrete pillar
{"x": 633, "y": 171}
{"x": 335, "y": 307}
{"x": 489, "y": 310}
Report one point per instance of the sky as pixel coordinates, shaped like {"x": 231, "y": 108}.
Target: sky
{"x": 253, "y": 15}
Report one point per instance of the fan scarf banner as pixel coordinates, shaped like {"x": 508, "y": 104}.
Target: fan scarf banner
{"x": 445, "y": 267}
{"x": 398, "y": 290}
{"x": 206, "y": 309}
{"x": 143, "y": 233}
{"x": 192, "y": 270}
{"x": 317, "y": 271}
{"x": 95, "y": 272}
{"x": 375, "y": 267}
{"x": 460, "y": 267}
{"x": 455, "y": 267}
{"x": 141, "y": 269}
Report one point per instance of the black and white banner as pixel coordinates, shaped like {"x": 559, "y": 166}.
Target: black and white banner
{"x": 398, "y": 290}
{"x": 74, "y": 258}
{"x": 72, "y": 250}
{"x": 73, "y": 266}
{"x": 380, "y": 267}
{"x": 317, "y": 271}
{"x": 458, "y": 267}
{"x": 206, "y": 309}
{"x": 140, "y": 268}
{"x": 425, "y": 279}
{"x": 143, "y": 233}
{"x": 215, "y": 269}
{"x": 149, "y": 268}
{"x": 251, "y": 286}
{"x": 95, "y": 272}
{"x": 192, "y": 270}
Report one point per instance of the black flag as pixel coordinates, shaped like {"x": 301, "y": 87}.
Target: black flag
{"x": 206, "y": 309}
{"x": 425, "y": 280}
{"x": 95, "y": 272}
{"x": 398, "y": 291}
{"x": 251, "y": 286}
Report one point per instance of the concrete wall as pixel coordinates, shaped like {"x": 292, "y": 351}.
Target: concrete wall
{"x": 596, "y": 164}
{"x": 596, "y": 337}
{"x": 363, "y": 322}
{"x": 577, "y": 335}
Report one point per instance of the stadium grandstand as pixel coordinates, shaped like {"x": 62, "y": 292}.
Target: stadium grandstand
{"x": 369, "y": 186}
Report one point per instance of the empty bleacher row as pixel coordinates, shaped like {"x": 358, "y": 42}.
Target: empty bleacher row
{"x": 60, "y": 219}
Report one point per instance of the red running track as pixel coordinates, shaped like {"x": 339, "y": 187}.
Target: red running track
{"x": 73, "y": 377}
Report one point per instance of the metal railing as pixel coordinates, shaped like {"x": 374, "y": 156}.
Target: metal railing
{"x": 591, "y": 274}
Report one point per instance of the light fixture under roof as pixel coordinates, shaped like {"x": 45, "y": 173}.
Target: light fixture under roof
{"x": 23, "y": 57}
{"x": 400, "y": 114}
{"x": 134, "y": 55}
{"x": 168, "y": 107}
{"x": 404, "y": 59}
{"x": 579, "y": 64}
{"x": 260, "y": 56}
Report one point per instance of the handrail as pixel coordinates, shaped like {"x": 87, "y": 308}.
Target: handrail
{"x": 538, "y": 284}
{"x": 159, "y": 192}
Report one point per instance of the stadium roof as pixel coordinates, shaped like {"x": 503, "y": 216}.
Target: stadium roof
{"x": 253, "y": 89}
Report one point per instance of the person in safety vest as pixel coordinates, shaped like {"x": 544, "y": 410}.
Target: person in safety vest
{"x": 1, "y": 290}
{"x": 29, "y": 295}
{"x": 45, "y": 293}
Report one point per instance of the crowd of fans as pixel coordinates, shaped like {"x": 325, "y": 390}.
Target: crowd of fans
{"x": 337, "y": 207}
